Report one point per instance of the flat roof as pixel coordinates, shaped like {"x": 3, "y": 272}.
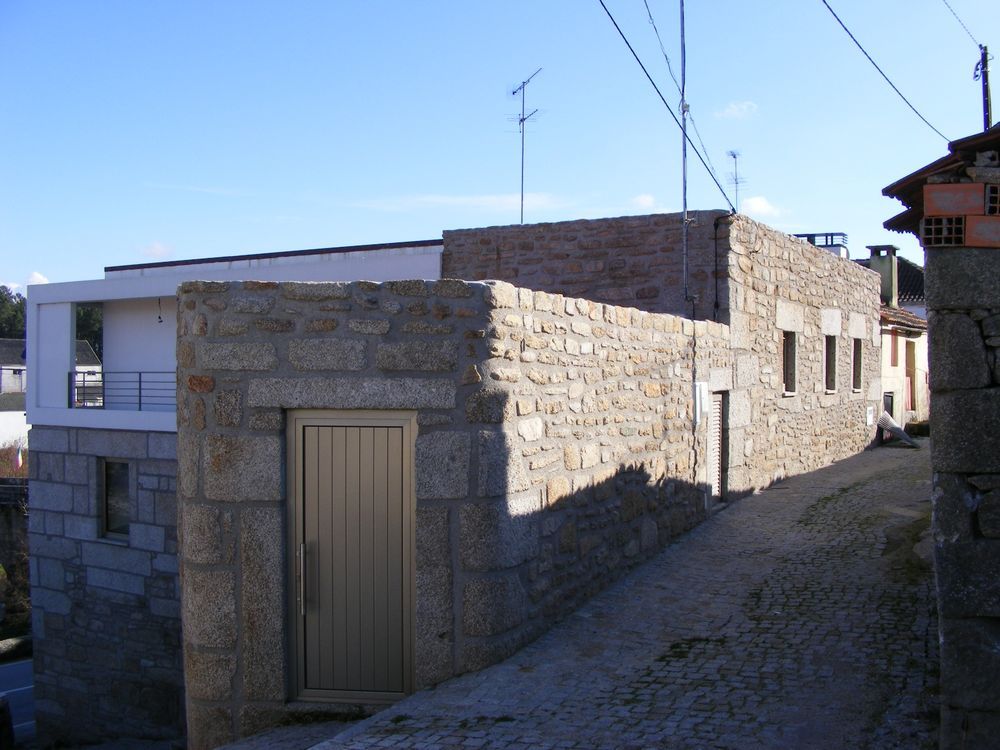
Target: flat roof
{"x": 278, "y": 254}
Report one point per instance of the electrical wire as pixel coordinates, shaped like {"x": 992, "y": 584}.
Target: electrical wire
{"x": 669, "y": 110}
{"x": 670, "y": 69}
{"x": 900, "y": 93}
{"x": 961, "y": 23}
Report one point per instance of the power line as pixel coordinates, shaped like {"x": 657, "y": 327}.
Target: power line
{"x": 669, "y": 110}
{"x": 670, "y": 69}
{"x": 961, "y": 23}
{"x": 900, "y": 93}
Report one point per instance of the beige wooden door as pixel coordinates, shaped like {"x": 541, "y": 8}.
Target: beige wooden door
{"x": 352, "y": 538}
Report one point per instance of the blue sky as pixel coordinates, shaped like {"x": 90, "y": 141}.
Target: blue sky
{"x": 141, "y": 130}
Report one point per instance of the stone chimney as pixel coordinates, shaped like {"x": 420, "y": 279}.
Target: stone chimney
{"x": 883, "y": 260}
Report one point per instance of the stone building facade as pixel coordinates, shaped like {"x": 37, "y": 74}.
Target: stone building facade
{"x": 562, "y": 436}
{"x": 962, "y": 192}
{"x": 105, "y": 612}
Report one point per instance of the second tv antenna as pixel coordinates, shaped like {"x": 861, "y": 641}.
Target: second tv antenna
{"x": 520, "y": 122}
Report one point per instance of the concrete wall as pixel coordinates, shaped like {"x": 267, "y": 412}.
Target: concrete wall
{"x": 106, "y": 613}
{"x": 894, "y": 378}
{"x": 556, "y": 449}
{"x": 963, "y": 289}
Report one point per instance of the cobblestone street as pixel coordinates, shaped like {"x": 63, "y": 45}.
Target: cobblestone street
{"x": 802, "y": 617}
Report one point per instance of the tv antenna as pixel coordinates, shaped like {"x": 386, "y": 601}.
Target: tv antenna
{"x": 735, "y": 180}
{"x": 520, "y": 123}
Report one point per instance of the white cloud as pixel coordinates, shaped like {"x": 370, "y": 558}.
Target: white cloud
{"x": 759, "y": 206}
{"x": 738, "y": 111}
{"x": 157, "y": 251}
{"x": 644, "y": 201}
{"x": 498, "y": 202}
{"x": 12, "y": 285}
{"x": 37, "y": 278}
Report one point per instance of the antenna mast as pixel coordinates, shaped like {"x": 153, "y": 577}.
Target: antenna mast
{"x": 520, "y": 122}
{"x": 736, "y": 179}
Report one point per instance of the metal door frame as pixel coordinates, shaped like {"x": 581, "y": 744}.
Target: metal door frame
{"x": 296, "y": 420}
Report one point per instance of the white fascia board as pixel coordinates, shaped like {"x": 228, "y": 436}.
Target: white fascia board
{"x": 100, "y": 290}
{"x": 109, "y": 419}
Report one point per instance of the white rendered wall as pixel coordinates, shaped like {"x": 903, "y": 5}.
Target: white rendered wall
{"x": 135, "y": 340}
{"x": 393, "y": 264}
{"x": 51, "y": 354}
{"x": 13, "y": 428}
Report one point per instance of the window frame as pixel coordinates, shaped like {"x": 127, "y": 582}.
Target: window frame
{"x": 856, "y": 365}
{"x": 104, "y": 529}
{"x": 789, "y": 364}
{"x": 830, "y": 363}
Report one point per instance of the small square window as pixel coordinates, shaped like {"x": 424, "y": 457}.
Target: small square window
{"x": 830, "y": 363}
{"x": 856, "y": 366}
{"x": 788, "y": 361}
{"x": 115, "y": 498}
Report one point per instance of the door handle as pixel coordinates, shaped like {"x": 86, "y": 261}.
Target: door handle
{"x": 302, "y": 580}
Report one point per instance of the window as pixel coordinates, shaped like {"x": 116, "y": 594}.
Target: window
{"x": 894, "y": 349}
{"x": 115, "y": 498}
{"x": 830, "y": 363}
{"x": 856, "y": 366}
{"x": 788, "y": 361}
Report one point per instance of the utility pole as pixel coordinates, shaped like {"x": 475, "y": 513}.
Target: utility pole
{"x": 521, "y": 121}
{"x": 983, "y": 74}
{"x": 684, "y": 160}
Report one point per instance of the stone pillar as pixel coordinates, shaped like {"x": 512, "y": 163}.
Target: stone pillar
{"x": 963, "y": 300}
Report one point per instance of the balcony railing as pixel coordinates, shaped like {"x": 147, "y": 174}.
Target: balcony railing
{"x": 127, "y": 391}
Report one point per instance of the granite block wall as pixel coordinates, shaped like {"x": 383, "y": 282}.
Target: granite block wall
{"x": 106, "y": 612}
{"x": 781, "y": 283}
{"x": 757, "y": 280}
{"x": 964, "y": 332}
{"x": 556, "y": 449}
{"x": 635, "y": 261}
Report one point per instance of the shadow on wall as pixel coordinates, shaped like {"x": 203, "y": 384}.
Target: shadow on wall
{"x": 547, "y": 524}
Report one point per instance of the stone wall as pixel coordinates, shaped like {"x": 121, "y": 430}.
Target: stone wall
{"x": 758, "y": 280}
{"x": 781, "y": 283}
{"x": 556, "y": 449}
{"x": 631, "y": 260}
{"x": 106, "y": 613}
{"x": 964, "y": 327}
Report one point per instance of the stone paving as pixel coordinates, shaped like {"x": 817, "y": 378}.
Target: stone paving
{"x": 802, "y": 617}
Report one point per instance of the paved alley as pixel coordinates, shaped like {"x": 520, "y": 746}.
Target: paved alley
{"x": 802, "y": 617}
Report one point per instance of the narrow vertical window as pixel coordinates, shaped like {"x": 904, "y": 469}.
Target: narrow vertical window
{"x": 856, "y": 366}
{"x": 116, "y": 499}
{"x": 830, "y": 363}
{"x": 788, "y": 361}
{"x": 894, "y": 350}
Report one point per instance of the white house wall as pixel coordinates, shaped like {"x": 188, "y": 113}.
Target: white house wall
{"x": 135, "y": 340}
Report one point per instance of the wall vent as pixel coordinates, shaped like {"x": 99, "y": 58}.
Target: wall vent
{"x": 993, "y": 200}
{"x": 943, "y": 231}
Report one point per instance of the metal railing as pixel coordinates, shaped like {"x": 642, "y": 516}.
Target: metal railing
{"x": 128, "y": 391}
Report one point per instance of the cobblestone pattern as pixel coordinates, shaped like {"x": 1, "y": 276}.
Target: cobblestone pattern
{"x": 759, "y": 281}
{"x": 106, "y": 613}
{"x": 555, "y": 451}
{"x": 963, "y": 291}
{"x": 801, "y": 617}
